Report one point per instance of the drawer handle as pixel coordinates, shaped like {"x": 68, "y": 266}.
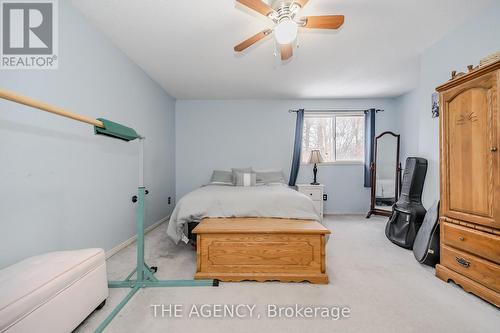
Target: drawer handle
{"x": 463, "y": 262}
{"x": 461, "y": 238}
{"x": 494, "y": 149}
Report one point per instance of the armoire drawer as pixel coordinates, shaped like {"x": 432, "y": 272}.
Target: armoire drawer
{"x": 474, "y": 241}
{"x": 482, "y": 271}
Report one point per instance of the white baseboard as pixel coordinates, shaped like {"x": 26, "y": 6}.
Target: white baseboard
{"x": 132, "y": 239}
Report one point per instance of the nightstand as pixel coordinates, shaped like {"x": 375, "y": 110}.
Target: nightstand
{"x": 315, "y": 192}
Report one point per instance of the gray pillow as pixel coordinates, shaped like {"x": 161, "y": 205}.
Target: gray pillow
{"x": 269, "y": 177}
{"x": 245, "y": 178}
{"x": 222, "y": 177}
{"x": 235, "y": 170}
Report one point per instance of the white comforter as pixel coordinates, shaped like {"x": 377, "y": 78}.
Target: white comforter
{"x": 237, "y": 201}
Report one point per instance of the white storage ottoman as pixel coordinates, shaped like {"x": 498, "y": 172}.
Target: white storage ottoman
{"x": 52, "y": 292}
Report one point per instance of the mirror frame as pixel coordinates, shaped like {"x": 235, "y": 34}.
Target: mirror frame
{"x": 373, "y": 170}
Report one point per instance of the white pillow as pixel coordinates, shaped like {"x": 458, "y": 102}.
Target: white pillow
{"x": 245, "y": 179}
{"x": 235, "y": 170}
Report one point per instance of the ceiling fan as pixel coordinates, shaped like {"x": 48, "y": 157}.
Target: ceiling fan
{"x": 283, "y": 13}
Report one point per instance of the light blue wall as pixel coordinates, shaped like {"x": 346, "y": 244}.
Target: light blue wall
{"x": 62, "y": 186}
{"x": 408, "y": 120}
{"x": 220, "y": 134}
{"x": 464, "y": 46}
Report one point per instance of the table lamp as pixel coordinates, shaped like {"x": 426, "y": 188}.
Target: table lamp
{"x": 315, "y": 158}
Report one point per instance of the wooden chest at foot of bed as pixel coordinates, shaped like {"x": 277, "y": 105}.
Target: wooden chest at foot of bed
{"x": 261, "y": 249}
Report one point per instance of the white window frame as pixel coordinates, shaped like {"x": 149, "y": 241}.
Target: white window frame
{"x": 334, "y": 115}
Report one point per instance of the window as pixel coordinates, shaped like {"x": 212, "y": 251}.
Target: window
{"x": 339, "y": 136}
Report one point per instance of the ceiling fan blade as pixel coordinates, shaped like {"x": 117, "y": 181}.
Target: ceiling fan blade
{"x": 252, "y": 40}
{"x": 258, "y": 6}
{"x": 286, "y": 51}
{"x": 324, "y": 22}
{"x": 301, "y": 3}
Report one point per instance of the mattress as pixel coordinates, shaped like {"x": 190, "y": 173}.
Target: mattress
{"x": 275, "y": 201}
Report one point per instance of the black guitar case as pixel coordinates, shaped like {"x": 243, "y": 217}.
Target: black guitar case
{"x": 408, "y": 212}
{"x": 426, "y": 246}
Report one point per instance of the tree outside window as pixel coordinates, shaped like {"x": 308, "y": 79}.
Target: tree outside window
{"x": 339, "y": 136}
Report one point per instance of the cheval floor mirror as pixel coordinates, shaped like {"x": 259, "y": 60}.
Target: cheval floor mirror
{"x": 144, "y": 275}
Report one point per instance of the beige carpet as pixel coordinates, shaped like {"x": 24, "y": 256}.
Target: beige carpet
{"x": 382, "y": 284}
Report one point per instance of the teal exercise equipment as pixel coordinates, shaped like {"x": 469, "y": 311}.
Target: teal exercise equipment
{"x": 143, "y": 275}
{"x": 116, "y": 130}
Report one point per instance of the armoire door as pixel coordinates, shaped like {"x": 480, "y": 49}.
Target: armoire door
{"x": 469, "y": 151}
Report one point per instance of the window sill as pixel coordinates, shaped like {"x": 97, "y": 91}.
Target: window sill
{"x": 336, "y": 163}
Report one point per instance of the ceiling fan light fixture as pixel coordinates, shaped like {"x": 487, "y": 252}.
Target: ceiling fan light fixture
{"x": 285, "y": 32}
{"x": 283, "y": 13}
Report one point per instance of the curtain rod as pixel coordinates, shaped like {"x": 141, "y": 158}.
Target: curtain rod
{"x": 332, "y": 110}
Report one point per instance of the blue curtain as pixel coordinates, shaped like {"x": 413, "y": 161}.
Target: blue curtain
{"x": 297, "y": 147}
{"x": 369, "y": 141}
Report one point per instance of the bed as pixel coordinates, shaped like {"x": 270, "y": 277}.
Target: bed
{"x": 264, "y": 200}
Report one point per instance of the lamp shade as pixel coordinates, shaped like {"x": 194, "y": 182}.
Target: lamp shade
{"x": 315, "y": 157}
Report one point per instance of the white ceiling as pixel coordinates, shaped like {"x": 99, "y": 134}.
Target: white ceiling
{"x": 187, "y": 46}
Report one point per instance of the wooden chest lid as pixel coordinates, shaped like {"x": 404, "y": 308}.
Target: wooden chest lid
{"x": 259, "y": 225}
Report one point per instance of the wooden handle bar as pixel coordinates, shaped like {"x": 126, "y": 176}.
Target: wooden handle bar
{"x": 49, "y": 108}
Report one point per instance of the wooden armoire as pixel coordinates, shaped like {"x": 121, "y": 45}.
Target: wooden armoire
{"x": 470, "y": 182}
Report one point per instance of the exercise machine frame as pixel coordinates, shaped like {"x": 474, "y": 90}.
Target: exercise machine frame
{"x": 144, "y": 274}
